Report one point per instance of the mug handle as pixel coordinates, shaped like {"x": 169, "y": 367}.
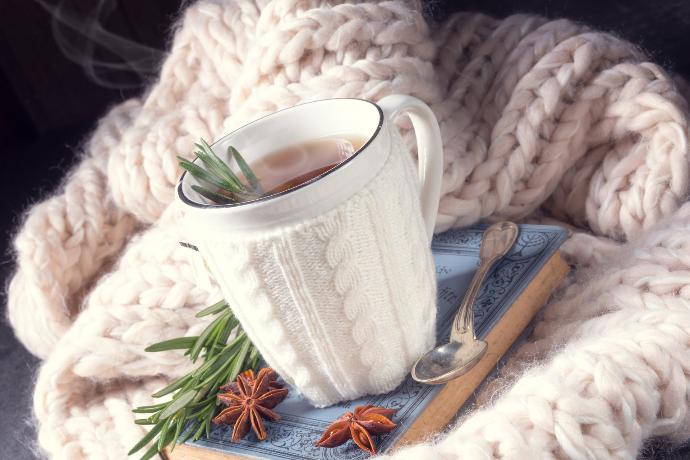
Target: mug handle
{"x": 429, "y": 150}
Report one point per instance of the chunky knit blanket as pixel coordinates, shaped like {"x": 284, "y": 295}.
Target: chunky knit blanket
{"x": 540, "y": 119}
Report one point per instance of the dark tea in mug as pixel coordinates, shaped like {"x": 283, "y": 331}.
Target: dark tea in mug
{"x": 291, "y": 166}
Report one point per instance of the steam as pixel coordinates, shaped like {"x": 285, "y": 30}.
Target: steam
{"x": 81, "y": 37}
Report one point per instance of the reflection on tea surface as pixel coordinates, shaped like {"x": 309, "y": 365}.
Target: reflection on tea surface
{"x": 291, "y": 166}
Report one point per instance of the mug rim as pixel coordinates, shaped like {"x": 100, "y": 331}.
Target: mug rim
{"x": 185, "y": 199}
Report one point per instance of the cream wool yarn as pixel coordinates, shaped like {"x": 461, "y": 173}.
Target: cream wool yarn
{"x": 535, "y": 115}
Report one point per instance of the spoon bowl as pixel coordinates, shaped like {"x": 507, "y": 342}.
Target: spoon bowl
{"x": 449, "y": 361}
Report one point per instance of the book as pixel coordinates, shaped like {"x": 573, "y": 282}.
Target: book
{"x": 518, "y": 285}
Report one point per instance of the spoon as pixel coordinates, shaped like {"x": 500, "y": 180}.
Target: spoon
{"x": 457, "y": 357}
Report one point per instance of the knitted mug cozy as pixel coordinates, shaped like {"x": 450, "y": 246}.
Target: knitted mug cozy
{"x": 341, "y": 304}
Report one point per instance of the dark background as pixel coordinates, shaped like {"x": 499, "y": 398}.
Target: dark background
{"x": 49, "y": 103}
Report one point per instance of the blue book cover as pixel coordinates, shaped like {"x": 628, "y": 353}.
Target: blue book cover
{"x": 456, "y": 253}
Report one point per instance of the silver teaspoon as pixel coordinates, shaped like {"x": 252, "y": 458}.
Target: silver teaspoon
{"x": 457, "y": 357}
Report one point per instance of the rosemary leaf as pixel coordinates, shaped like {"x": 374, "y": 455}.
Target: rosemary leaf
{"x": 153, "y": 450}
{"x": 215, "y": 334}
{"x": 246, "y": 170}
{"x": 164, "y": 435}
{"x": 200, "y": 407}
{"x": 213, "y": 196}
{"x": 202, "y": 174}
{"x": 148, "y": 409}
{"x": 240, "y": 339}
{"x": 178, "y": 403}
{"x": 177, "y": 384}
{"x": 223, "y": 166}
{"x": 198, "y": 345}
{"x": 189, "y": 431}
{"x": 201, "y": 370}
{"x": 169, "y": 436}
{"x": 217, "y": 369}
{"x": 217, "y": 166}
{"x": 207, "y": 422}
{"x": 225, "y": 333}
{"x": 217, "y": 181}
{"x": 180, "y": 343}
{"x": 213, "y": 309}
{"x": 179, "y": 424}
{"x": 144, "y": 421}
{"x": 147, "y": 437}
{"x": 254, "y": 354}
{"x": 156, "y": 417}
{"x": 199, "y": 431}
{"x": 239, "y": 360}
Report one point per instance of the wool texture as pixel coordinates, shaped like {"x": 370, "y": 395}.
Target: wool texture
{"x": 540, "y": 120}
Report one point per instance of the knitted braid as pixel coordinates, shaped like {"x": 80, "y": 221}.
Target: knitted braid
{"x": 343, "y": 51}
{"x": 539, "y": 118}
{"x": 152, "y": 295}
{"x": 631, "y": 190}
{"x": 66, "y": 241}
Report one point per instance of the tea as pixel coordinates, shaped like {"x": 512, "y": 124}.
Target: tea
{"x": 291, "y": 166}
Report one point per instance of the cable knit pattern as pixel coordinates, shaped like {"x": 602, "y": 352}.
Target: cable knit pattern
{"x": 544, "y": 119}
{"x": 342, "y": 333}
{"x": 66, "y": 241}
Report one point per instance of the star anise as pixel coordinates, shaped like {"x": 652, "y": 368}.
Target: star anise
{"x": 249, "y": 401}
{"x": 360, "y": 426}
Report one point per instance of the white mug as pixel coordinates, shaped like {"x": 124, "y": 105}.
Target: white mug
{"x": 332, "y": 280}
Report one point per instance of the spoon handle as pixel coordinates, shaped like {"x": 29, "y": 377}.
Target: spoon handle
{"x": 464, "y": 319}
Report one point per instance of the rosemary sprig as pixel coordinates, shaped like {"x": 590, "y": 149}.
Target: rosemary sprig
{"x": 194, "y": 403}
{"x": 218, "y": 181}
